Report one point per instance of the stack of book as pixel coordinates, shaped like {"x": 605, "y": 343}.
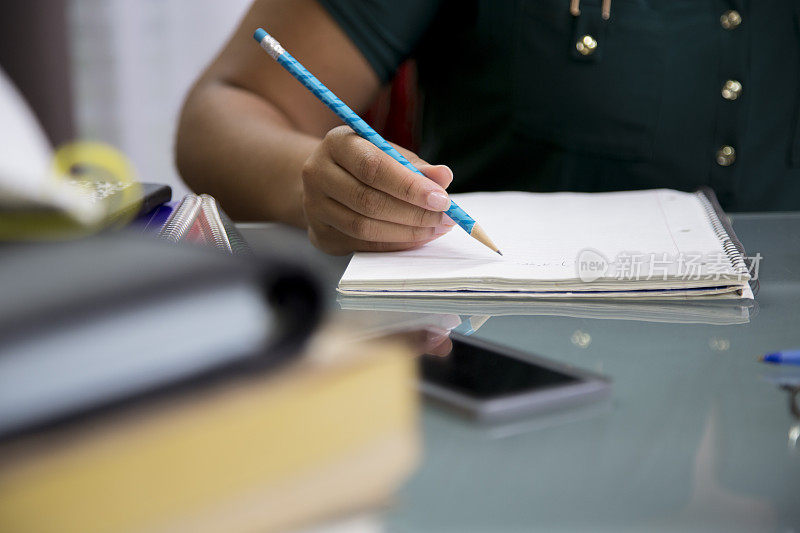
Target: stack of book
{"x": 331, "y": 434}
{"x": 149, "y": 386}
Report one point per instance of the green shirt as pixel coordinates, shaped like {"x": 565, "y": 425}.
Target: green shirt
{"x": 665, "y": 93}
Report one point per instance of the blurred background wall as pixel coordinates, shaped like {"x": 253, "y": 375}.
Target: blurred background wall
{"x": 133, "y": 62}
{"x": 35, "y": 54}
{"x": 114, "y": 70}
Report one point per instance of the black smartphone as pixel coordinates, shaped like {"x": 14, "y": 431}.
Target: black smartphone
{"x": 491, "y": 382}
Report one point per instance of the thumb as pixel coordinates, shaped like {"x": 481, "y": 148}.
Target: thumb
{"x": 441, "y": 174}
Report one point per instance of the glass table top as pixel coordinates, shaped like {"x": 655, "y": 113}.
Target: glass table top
{"x": 698, "y": 434}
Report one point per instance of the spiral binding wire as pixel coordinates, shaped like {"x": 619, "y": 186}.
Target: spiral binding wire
{"x": 215, "y": 228}
{"x": 180, "y": 222}
{"x": 211, "y": 224}
{"x": 728, "y": 246}
{"x": 238, "y": 245}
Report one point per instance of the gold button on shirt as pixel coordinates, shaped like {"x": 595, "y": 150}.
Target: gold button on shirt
{"x": 726, "y": 156}
{"x": 730, "y": 19}
{"x": 731, "y": 90}
{"x": 586, "y": 45}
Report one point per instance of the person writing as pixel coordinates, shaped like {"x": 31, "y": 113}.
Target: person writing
{"x": 539, "y": 95}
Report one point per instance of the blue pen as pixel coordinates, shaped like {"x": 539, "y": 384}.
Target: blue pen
{"x": 784, "y": 357}
{"x": 277, "y": 52}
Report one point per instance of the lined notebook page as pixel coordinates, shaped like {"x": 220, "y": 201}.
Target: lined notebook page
{"x": 542, "y": 236}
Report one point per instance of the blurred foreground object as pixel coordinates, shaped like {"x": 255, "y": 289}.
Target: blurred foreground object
{"x": 87, "y": 323}
{"x": 79, "y": 189}
{"x": 146, "y": 385}
{"x": 90, "y": 187}
{"x": 331, "y": 434}
{"x": 25, "y": 163}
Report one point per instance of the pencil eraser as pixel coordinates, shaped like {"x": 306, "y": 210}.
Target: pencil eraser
{"x": 260, "y": 34}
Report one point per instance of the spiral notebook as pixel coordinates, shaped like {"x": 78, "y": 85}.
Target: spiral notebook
{"x": 634, "y": 244}
{"x": 198, "y": 218}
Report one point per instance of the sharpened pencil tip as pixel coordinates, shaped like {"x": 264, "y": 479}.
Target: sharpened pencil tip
{"x": 499, "y": 253}
{"x": 479, "y": 235}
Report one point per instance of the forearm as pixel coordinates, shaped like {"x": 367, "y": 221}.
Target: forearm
{"x": 237, "y": 147}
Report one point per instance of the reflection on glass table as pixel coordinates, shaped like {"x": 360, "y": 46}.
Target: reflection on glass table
{"x": 694, "y": 438}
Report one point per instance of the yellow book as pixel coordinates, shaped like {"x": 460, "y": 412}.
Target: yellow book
{"x": 334, "y": 433}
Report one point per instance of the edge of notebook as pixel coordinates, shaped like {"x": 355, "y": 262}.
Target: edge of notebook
{"x": 711, "y": 196}
{"x": 725, "y": 291}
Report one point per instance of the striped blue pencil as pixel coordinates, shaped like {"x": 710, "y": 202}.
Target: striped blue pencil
{"x": 277, "y": 52}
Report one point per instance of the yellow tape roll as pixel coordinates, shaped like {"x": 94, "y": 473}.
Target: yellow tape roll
{"x": 92, "y": 186}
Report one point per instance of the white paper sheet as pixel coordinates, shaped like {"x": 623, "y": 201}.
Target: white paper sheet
{"x": 546, "y": 239}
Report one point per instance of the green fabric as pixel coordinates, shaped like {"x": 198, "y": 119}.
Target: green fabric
{"x": 509, "y": 103}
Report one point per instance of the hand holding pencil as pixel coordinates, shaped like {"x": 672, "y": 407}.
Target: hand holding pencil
{"x": 382, "y": 189}
{"x": 356, "y": 198}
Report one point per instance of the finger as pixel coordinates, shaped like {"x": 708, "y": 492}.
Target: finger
{"x": 426, "y": 341}
{"x": 375, "y": 169}
{"x": 372, "y": 203}
{"x": 415, "y": 160}
{"x": 367, "y": 246}
{"x": 332, "y": 241}
{"x": 440, "y": 174}
{"x": 442, "y": 349}
{"x": 364, "y": 228}
{"x": 437, "y": 342}
{"x": 346, "y": 245}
